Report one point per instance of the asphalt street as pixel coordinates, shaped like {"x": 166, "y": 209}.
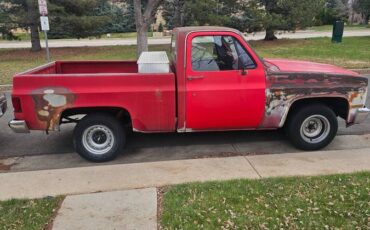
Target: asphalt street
{"x": 58, "y": 146}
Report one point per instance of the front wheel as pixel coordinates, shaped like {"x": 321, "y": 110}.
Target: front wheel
{"x": 99, "y": 137}
{"x": 312, "y": 127}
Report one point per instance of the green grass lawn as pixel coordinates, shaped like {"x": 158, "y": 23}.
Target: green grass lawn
{"x": 324, "y": 28}
{"x": 27, "y": 214}
{"x": 354, "y": 52}
{"x": 325, "y": 202}
{"x": 126, "y": 35}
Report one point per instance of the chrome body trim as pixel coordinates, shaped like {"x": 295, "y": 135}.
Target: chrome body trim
{"x": 19, "y": 126}
{"x": 361, "y": 115}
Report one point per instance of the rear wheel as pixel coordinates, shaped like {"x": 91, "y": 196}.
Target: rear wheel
{"x": 312, "y": 127}
{"x": 99, "y": 137}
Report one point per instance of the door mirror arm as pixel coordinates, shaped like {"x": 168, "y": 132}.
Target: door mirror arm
{"x": 244, "y": 71}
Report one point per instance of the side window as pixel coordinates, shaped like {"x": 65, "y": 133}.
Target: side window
{"x": 219, "y": 53}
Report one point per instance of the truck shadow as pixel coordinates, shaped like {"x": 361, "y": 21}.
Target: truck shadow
{"x": 162, "y": 147}
{"x": 38, "y": 143}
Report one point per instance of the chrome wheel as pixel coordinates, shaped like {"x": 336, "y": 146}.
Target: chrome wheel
{"x": 315, "y": 129}
{"x": 98, "y": 139}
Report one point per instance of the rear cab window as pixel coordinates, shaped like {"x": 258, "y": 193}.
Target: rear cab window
{"x": 173, "y": 52}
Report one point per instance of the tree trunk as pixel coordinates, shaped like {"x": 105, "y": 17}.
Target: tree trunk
{"x": 366, "y": 20}
{"x": 142, "y": 40}
{"x": 179, "y": 13}
{"x": 270, "y": 35}
{"x": 35, "y": 38}
{"x": 351, "y": 18}
{"x": 143, "y": 21}
{"x": 32, "y": 18}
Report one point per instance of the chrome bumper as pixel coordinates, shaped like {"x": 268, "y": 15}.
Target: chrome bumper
{"x": 361, "y": 115}
{"x": 3, "y": 105}
{"x": 19, "y": 126}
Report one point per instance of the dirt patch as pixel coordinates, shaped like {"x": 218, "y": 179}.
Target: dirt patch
{"x": 6, "y": 167}
{"x": 160, "y": 194}
{"x": 6, "y": 88}
{"x": 49, "y": 225}
{"x": 229, "y": 154}
{"x": 362, "y": 71}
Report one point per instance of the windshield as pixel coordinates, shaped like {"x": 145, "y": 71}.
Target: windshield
{"x": 258, "y": 56}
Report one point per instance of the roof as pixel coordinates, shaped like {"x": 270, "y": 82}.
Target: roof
{"x": 190, "y": 29}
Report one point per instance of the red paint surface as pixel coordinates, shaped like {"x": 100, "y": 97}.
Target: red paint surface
{"x": 219, "y": 101}
{"x": 224, "y": 99}
{"x": 149, "y": 98}
{"x": 286, "y": 65}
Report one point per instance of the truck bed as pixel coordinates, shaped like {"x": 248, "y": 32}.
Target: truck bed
{"x": 83, "y": 67}
{"x": 48, "y": 91}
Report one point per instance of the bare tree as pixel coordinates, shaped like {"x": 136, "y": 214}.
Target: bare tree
{"x": 362, "y": 7}
{"x": 143, "y": 19}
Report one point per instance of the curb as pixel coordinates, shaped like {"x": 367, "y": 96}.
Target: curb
{"x": 7, "y": 87}
{"x": 157, "y": 174}
{"x": 361, "y": 71}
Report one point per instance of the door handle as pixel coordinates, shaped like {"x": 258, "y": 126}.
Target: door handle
{"x": 190, "y": 78}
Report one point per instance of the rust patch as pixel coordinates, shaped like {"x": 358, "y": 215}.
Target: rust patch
{"x": 160, "y": 195}
{"x": 50, "y": 103}
{"x": 6, "y": 167}
{"x": 285, "y": 88}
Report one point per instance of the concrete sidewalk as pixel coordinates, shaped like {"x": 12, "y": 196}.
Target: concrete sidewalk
{"x": 37, "y": 184}
{"x": 133, "y": 209}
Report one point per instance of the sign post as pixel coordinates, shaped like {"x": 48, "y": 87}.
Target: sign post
{"x": 43, "y": 8}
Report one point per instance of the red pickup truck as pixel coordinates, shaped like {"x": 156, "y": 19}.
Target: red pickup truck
{"x": 216, "y": 82}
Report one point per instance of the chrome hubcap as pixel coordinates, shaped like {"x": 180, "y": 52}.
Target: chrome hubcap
{"x": 315, "y": 129}
{"x": 98, "y": 139}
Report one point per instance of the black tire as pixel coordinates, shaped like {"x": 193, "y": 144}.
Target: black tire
{"x": 96, "y": 128}
{"x": 307, "y": 118}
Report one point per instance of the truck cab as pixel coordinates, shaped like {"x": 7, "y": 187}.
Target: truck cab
{"x": 222, "y": 80}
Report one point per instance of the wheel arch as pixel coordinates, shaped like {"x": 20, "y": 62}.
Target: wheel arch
{"x": 120, "y": 113}
{"x": 339, "y": 105}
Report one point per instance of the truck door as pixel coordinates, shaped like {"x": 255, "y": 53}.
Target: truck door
{"x": 225, "y": 83}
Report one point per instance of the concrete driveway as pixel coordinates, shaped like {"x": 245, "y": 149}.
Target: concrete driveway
{"x": 56, "y": 149}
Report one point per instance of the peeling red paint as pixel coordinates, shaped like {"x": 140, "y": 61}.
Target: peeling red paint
{"x": 50, "y": 102}
{"x": 284, "y": 88}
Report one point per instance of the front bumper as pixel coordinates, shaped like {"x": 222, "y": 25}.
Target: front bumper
{"x": 3, "y": 105}
{"x": 19, "y": 126}
{"x": 361, "y": 115}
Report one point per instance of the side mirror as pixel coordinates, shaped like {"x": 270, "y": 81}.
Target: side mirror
{"x": 244, "y": 71}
